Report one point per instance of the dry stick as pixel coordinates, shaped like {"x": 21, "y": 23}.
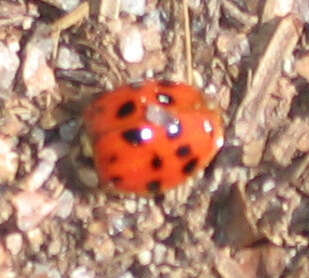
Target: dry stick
{"x": 246, "y": 19}
{"x": 110, "y": 8}
{"x": 15, "y": 20}
{"x": 188, "y": 42}
{"x": 116, "y": 15}
{"x": 77, "y": 15}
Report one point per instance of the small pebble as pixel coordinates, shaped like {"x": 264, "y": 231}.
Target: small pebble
{"x": 5, "y": 258}
{"x": 8, "y": 159}
{"x": 144, "y": 257}
{"x": 153, "y": 221}
{"x": 65, "y": 204}
{"x": 165, "y": 231}
{"x": 119, "y": 223}
{"x": 14, "y": 243}
{"x": 233, "y": 46}
{"x": 104, "y": 249}
{"x": 211, "y": 89}
{"x": 54, "y": 247}
{"x": 88, "y": 176}
{"x": 37, "y": 74}
{"x": 9, "y": 63}
{"x": 36, "y": 239}
{"x": 153, "y": 20}
{"x": 131, "y": 45}
{"x": 198, "y": 79}
{"x": 127, "y": 275}
{"x": 37, "y": 136}
{"x": 54, "y": 151}
{"x": 82, "y": 272}
{"x": 130, "y": 205}
{"x": 135, "y": 7}
{"x": 32, "y": 208}
{"x": 69, "y": 130}
{"x": 142, "y": 203}
{"x": 302, "y": 66}
{"x": 38, "y": 176}
{"x": 194, "y": 4}
{"x": 282, "y": 8}
{"x": 69, "y": 5}
{"x": 159, "y": 253}
{"x": 268, "y": 185}
{"x": 302, "y": 8}
{"x": 6, "y": 210}
{"x": 68, "y": 59}
{"x": 41, "y": 270}
{"x": 83, "y": 212}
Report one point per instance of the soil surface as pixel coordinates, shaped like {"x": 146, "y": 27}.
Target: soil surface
{"x": 247, "y": 217}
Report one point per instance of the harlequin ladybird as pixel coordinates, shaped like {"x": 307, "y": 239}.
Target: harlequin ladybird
{"x": 149, "y": 137}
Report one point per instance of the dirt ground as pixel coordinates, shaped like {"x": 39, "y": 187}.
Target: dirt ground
{"x": 247, "y": 217}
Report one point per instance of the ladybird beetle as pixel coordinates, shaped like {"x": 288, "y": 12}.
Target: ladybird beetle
{"x": 149, "y": 137}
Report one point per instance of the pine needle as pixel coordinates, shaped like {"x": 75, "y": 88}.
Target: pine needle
{"x": 188, "y": 41}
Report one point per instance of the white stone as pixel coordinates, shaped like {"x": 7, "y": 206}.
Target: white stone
{"x": 14, "y": 242}
{"x": 32, "y": 208}
{"x": 127, "y": 275}
{"x": 8, "y": 159}
{"x": 82, "y": 272}
{"x": 65, "y": 206}
{"x": 9, "y": 63}
{"x": 159, "y": 253}
{"x": 68, "y": 59}
{"x": 144, "y": 257}
{"x": 135, "y": 7}
{"x": 131, "y": 45}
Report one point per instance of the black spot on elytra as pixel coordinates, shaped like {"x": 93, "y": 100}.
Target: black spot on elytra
{"x": 156, "y": 162}
{"x": 136, "y": 85}
{"x": 167, "y": 83}
{"x": 154, "y": 186}
{"x": 126, "y": 109}
{"x": 113, "y": 158}
{"x": 116, "y": 179}
{"x": 133, "y": 136}
{"x": 183, "y": 150}
{"x": 165, "y": 98}
{"x": 174, "y": 130}
{"x": 190, "y": 166}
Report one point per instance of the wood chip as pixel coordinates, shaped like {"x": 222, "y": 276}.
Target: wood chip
{"x": 250, "y": 122}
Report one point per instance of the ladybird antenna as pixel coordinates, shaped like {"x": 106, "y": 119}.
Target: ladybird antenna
{"x": 188, "y": 41}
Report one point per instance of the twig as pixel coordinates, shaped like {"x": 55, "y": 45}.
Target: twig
{"x": 117, "y": 10}
{"x": 246, "y": 19}
{"x": 78, "y": 14}
{"x": 81, "y": 12}
{"x": 11, "y": 21}
{"x": 110, "y": 9}
{"x": 188, "y": 42}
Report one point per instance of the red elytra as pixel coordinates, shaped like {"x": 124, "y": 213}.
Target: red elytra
{"x": 150, "y": 137}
